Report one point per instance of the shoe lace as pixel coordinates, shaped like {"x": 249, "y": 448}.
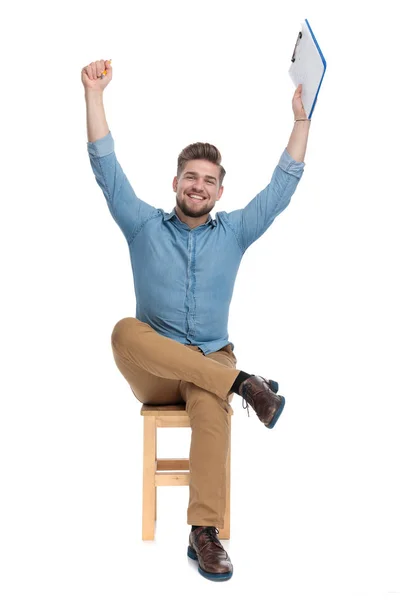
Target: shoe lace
{"x": 245, "y": 405}
{"x": 211, "y": 535}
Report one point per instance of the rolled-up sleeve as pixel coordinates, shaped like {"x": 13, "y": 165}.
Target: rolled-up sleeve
{"x": 250, "y": 222}
{"x": 129, "y": 211}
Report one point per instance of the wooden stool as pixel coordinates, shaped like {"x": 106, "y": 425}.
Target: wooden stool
{"x": 170, "y": 471}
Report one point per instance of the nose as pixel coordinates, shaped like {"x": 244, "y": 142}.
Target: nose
{"x": 198, "y": 186}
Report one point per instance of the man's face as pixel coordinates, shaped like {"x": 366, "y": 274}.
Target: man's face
{"x": 197, "y": 188}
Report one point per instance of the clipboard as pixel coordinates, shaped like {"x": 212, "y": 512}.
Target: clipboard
{"x": 308, "y": 67}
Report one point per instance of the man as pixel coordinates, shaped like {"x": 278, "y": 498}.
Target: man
{"x": 184, "y": 265}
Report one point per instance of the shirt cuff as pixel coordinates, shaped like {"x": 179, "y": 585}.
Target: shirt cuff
{"x": 101, "y": 147}
{"x": 288, "y": 164}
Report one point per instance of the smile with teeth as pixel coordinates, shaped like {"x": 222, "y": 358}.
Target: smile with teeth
{"x": 196, "y": 198}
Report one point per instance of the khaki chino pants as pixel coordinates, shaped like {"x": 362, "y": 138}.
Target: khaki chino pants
{"x": 162, "y": 371}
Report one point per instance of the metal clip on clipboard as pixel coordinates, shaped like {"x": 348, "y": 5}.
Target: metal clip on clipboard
{"x": 295, "y": 46}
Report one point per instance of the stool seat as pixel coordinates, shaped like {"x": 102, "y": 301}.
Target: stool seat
{"x": 169, "y": 471}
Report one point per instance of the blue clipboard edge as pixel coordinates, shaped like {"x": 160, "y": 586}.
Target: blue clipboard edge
{"x": 323, "y": 62}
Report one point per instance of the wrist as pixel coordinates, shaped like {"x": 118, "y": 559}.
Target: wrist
{"x": 93, "y": 93}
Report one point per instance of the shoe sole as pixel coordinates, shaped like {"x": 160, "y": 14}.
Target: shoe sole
{"x": 212, "y": 576}
{"x": 277, "y": 413}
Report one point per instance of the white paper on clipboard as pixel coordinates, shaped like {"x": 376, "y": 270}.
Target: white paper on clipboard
{"x": 308, "y": 67}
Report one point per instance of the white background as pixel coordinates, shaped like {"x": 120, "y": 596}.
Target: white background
{"x": 315, "y": 500}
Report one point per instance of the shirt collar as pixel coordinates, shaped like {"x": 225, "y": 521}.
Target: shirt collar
{"x": 169, "y": 216}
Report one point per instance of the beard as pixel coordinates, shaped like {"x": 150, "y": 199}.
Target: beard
{"x": 195, "y": 210}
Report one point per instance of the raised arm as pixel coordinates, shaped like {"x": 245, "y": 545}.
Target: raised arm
{"x": 250, "y": 222}
{"x": 95, "y": 116}
{"x": 94, "y": 87}
{"x": 127, "y": 209}
{"x": 298, "y": 140}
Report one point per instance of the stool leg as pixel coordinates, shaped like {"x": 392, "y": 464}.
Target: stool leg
{"x": 149, "y": 469}
{"x": 225, "y": 532}
{"x": 155, "y": 487}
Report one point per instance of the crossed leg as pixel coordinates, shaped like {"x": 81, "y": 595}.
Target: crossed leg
{"x": 162, "y": 371}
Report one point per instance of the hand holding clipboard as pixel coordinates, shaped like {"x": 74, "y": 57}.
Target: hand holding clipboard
{"x": 308, "y": 67}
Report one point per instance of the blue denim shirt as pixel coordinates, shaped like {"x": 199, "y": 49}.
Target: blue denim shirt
{"x": 184, "y": 278}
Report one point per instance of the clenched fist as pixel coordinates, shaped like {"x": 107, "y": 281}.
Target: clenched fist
{"x": 91, "y": 75}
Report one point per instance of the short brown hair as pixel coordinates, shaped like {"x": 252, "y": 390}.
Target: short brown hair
{"x": 204, "y": 151}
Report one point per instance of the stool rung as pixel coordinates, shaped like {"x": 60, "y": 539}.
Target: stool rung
{"x": 172, "y": 421}
{"x": 172, "y": 478}
{"x": 172, "y": 464}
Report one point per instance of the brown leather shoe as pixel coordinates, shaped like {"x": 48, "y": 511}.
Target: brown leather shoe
{"x": 267, "y": 405}
{"x": 204, "y": 546}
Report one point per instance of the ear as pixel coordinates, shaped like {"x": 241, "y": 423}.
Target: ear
{"x": 221, "y": 189}
{"x": 175, "y": 183}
